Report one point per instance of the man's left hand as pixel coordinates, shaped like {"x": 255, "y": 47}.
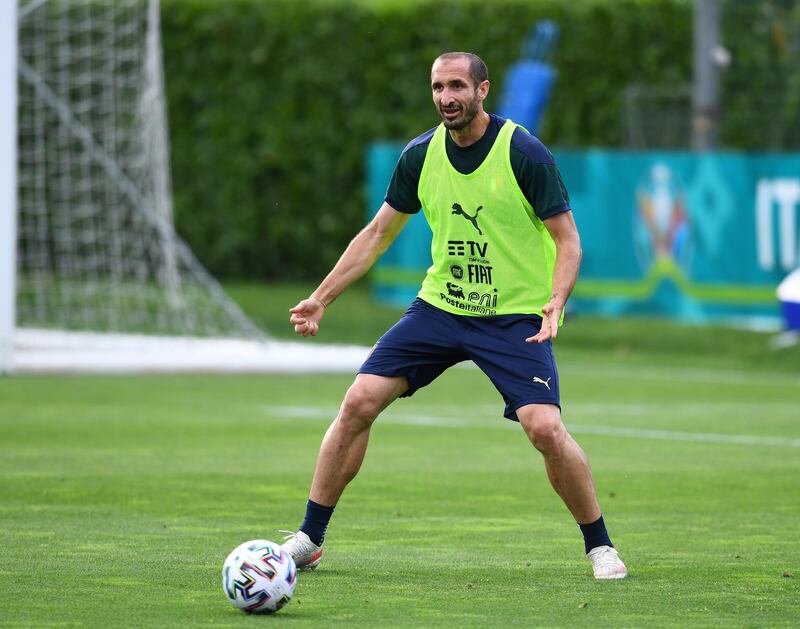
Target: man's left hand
{"x": 549, "y": 330}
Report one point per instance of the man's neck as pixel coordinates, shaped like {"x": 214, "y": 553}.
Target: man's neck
{"x": 472, "y": 132}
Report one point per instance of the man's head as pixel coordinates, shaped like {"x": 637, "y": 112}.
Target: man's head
{"x": 459, "y": 83}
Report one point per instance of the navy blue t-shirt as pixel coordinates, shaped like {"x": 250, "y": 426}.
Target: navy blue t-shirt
{"x": 533, "y": 165}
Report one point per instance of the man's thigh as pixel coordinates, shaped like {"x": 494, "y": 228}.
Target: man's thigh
{"x": 419, "y": 347}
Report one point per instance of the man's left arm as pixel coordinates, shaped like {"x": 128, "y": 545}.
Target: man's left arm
{"x": 568, "y": 260}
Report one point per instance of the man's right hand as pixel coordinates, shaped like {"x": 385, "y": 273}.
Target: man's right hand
{"x": 306, "y": 316}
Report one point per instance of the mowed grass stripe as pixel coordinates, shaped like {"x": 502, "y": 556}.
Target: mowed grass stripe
{"x": 325, "y": 414}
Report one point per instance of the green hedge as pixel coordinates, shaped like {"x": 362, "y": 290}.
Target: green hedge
{"x": 761, "y": 89}
{"x": 273, "y": 103}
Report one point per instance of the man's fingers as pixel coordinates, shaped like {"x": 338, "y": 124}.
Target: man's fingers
{"x": 296, "y": 319}
{"x": 539, "y": 337}
{"x": 549, "y": 328}
{"x": 306, "y": 328}
{"x": 552, "y": 314}
{"x": 542, "y": 335}
{"x": 554, "y": 324}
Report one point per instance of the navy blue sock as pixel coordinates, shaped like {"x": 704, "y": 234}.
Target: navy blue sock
{"x": 316, "y": 522}
{"x": 595, "y": 535}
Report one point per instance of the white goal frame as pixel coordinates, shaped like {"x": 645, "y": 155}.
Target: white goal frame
{"x": 25, "y": 349}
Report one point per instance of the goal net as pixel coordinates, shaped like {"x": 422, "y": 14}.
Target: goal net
{"x": 103, "y": 281}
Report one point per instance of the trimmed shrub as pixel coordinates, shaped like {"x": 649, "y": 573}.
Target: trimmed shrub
{"x": 272, "y": 104}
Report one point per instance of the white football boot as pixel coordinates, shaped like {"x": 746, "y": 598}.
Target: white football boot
{"x": 306, "y": 554}
{"x": 606, "y": 563}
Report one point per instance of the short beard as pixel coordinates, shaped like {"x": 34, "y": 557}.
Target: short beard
{"x": 469, "y": 116}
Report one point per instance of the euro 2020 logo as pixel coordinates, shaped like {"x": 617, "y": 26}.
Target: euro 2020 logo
{"x": 661, "y": 226}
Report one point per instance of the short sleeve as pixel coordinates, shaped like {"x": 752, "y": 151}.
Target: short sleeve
{"x": 537, "y": 175}
{"x": 403, "y": 191}
{"x": 545, "y": 191}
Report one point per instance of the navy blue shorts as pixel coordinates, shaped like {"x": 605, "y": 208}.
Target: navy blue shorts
{"x": 427, "y": 340}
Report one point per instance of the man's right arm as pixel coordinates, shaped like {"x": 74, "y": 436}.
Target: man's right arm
{"x": 362, "y": 252}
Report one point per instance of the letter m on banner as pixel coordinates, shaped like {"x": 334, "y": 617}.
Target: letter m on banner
{"x": 781, "y": 195}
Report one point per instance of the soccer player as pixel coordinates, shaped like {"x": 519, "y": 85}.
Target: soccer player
{"x": 506, "y": 254}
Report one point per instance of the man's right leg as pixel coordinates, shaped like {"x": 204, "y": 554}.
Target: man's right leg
{"x": 340, "y": 457}
{"x": 345, "y": 443}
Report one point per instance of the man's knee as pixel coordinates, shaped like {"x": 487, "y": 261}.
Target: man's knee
{"x": 542, "y": 423}
{"x": 365, "y": 399}
{"x": 358, "y": 407}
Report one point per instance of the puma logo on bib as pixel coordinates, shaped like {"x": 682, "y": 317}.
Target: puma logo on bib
{"x": 457, "y": 209}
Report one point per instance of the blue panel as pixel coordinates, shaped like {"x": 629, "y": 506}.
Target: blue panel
{"x": 411, "y": 251}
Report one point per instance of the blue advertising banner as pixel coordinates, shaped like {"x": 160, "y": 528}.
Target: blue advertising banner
{"x": 697, "y": 237}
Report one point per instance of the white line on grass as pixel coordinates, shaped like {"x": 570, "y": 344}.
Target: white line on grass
{"x": 671, "y": 435}
{"x": 326, "y": 414}
{"x": 689, "y": 374}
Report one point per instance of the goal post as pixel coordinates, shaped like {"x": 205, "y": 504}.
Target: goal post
{"x": 8, "y": 180}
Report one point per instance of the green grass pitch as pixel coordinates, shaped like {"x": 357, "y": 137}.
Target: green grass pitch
{"x": 121, "y": 496}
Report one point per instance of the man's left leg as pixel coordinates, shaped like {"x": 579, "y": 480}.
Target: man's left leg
{"x": 571, "y": 477}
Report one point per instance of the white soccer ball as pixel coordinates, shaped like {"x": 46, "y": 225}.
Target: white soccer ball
{"x": 259, "y": 577}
